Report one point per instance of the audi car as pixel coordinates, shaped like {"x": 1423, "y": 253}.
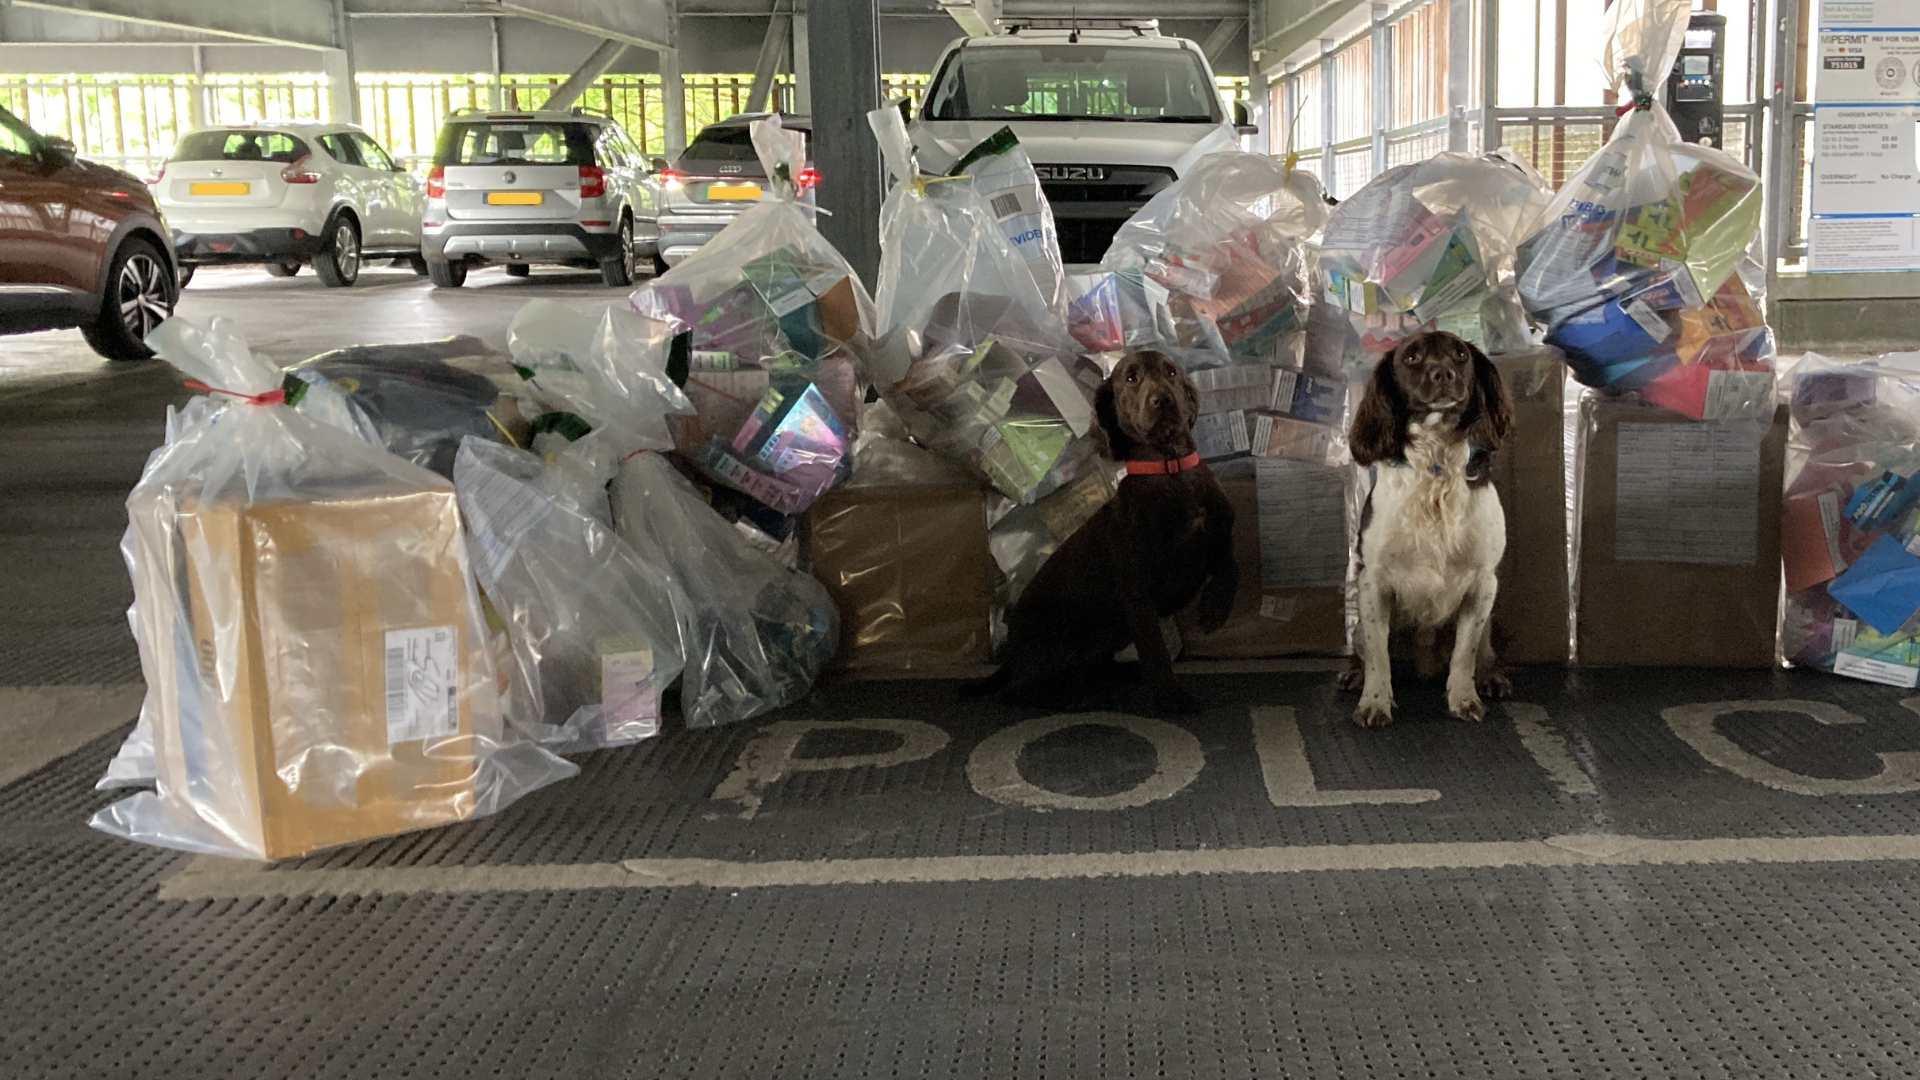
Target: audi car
{"x": 718, "y": 176}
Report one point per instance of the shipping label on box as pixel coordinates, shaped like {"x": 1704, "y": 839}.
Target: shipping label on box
{"x": 1283, "y": 436}
{"x": 1303, "y": 523}
{"x": 1687, "y": 493}
{"x": 1230, "y": 388}
{"x": 1221, "y": 435}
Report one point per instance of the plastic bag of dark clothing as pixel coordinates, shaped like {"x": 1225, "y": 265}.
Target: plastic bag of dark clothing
{"x": 411, "y": 398}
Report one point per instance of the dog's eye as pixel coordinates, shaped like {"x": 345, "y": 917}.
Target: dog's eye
{"x": 1133, "y": 376}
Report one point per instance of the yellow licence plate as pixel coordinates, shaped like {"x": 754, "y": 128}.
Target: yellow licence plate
{"x": 221, "y": 188}
{"x": 513, "y": 198}
{"x": 733, "y": 191}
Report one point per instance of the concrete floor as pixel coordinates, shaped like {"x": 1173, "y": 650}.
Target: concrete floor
{"x": 1631, "y": 873}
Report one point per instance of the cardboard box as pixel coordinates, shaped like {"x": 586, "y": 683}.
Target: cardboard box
{"x": 1531, "y": 613}
{"x": 334, "y": 668}
{"x": 1679, "y": 537}
{"x": 909, "y": 569}
{"x": 1282, "y": 620}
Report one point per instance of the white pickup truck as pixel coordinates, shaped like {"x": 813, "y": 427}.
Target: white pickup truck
{"x": 1110, "y": 115}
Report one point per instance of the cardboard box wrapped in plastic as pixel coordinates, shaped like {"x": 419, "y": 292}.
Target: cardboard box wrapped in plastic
{"x": 1290, "y": 544}
{"x": 345, "y": 669}
{"x": 1679, "y": 537}
{"x": 1530, "y": 473}
{"x": 909, "y": 570}
{"x": 310, "y": 634}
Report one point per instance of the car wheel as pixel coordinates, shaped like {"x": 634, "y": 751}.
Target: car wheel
{"x": 447, "y": 275}
{"x": 418, "y": 263}
{"x": 287, "y": 269}
{"x": 185, "y": 275}
{"x": 618, "y": 272}
{"x": 339, "y": 263}
{"x": 519, "y": 270}
{"x": 140, "y": 295}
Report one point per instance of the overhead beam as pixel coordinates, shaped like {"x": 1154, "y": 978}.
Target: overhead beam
{"x": 1281, "y": 42}
{"x": 308, "y": 24}
{"x": 1222, "y": 36}
{"x": 772, "y": 47}
{"x": 597, "y": 63}
{"x": 635, "y": 22}
{"x": 976, "y": 17}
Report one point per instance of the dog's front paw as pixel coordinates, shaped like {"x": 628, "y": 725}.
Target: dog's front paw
{"x": 1173, "y": 698}
{"x": 1496, "y": 686}
{"x": 1465, "y": 704}
{"x": 1354, "y": 675}
{"x": 1374, "y": 711}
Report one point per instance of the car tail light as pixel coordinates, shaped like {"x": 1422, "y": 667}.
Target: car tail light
{"x": 593, "y": 181}
{"x": 672, "y": 178}
{"x": 158, "y": 176}
{"x": 808, "y": 177}
{"x": 437, "y": 182}
{"x": 298, "y": 173}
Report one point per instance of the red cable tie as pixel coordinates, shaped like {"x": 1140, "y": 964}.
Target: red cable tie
{"x": 275, "y": 396}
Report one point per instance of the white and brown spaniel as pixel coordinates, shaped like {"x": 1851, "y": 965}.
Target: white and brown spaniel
{"x": 1432, "y": 533}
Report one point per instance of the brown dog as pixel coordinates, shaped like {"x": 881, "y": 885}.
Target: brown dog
{"x": 1165, "y": 538}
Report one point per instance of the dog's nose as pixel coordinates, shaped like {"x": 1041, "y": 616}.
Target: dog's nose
{"x": 1161, "y": 401}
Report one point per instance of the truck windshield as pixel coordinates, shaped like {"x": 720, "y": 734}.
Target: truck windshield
{"x": 1073, "y": 82}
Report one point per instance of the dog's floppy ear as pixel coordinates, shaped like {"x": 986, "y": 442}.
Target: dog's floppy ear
{"x": 1106, "y": 431}
{"x": 1379, "y": 431}
{"x": 1488, "y": 420}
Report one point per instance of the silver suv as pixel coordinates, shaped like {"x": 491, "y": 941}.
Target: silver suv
{"x": 564, "y": 188}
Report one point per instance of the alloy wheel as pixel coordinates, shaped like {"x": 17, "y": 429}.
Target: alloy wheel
{"x": 145, "y": 301}
{"x": 346, "y": 251}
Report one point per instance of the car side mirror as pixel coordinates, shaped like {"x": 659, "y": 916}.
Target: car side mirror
{"x": 58, "y": 152}
{"x": 1242, "y": 120}
{"x": 657, "y": 164}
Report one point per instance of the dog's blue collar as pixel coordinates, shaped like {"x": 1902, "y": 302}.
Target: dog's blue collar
{"x": 1475, "y": 455}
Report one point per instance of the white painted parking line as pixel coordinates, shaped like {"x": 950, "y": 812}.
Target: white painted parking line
{"x": 207, "y": 877}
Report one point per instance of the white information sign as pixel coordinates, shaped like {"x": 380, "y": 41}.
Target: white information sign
{"x": 1865, "y": 211}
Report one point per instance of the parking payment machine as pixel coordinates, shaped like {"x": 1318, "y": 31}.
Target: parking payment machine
{"x": 1696, "y": 90}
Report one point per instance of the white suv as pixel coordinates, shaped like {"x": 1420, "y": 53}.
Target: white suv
{"x": 537, "y": 187}
{"x": 286, "y": 195}
{"x": 1109, "y": 111}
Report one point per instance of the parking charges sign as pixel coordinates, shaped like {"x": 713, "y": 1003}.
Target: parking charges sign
{"x": 1865, "y": 212}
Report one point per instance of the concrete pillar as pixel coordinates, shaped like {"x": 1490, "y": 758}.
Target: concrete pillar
{"x": 1489, "y": 76}
{"x": 197, "y": 96}
{"x": 343, "y": 95}
{"x": 673, "y": 90}
{"x": 1327, "y": 115}
{"x": 846, "y": 86}
{"x": 1459, "y": 72}
{"x": 1382, "y": 65}
{"x": 802, "y": 67}
{"x": 1260, "y": 103}
{"x": 496, "y": 95}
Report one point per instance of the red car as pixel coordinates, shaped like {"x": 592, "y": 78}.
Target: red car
{"x": 80, "y": 245}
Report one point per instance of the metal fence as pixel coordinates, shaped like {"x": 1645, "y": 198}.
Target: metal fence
{"x": 134, "y": 122}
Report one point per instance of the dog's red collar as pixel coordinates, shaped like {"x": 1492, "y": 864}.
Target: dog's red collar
{"x": 1160, "y": 467}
